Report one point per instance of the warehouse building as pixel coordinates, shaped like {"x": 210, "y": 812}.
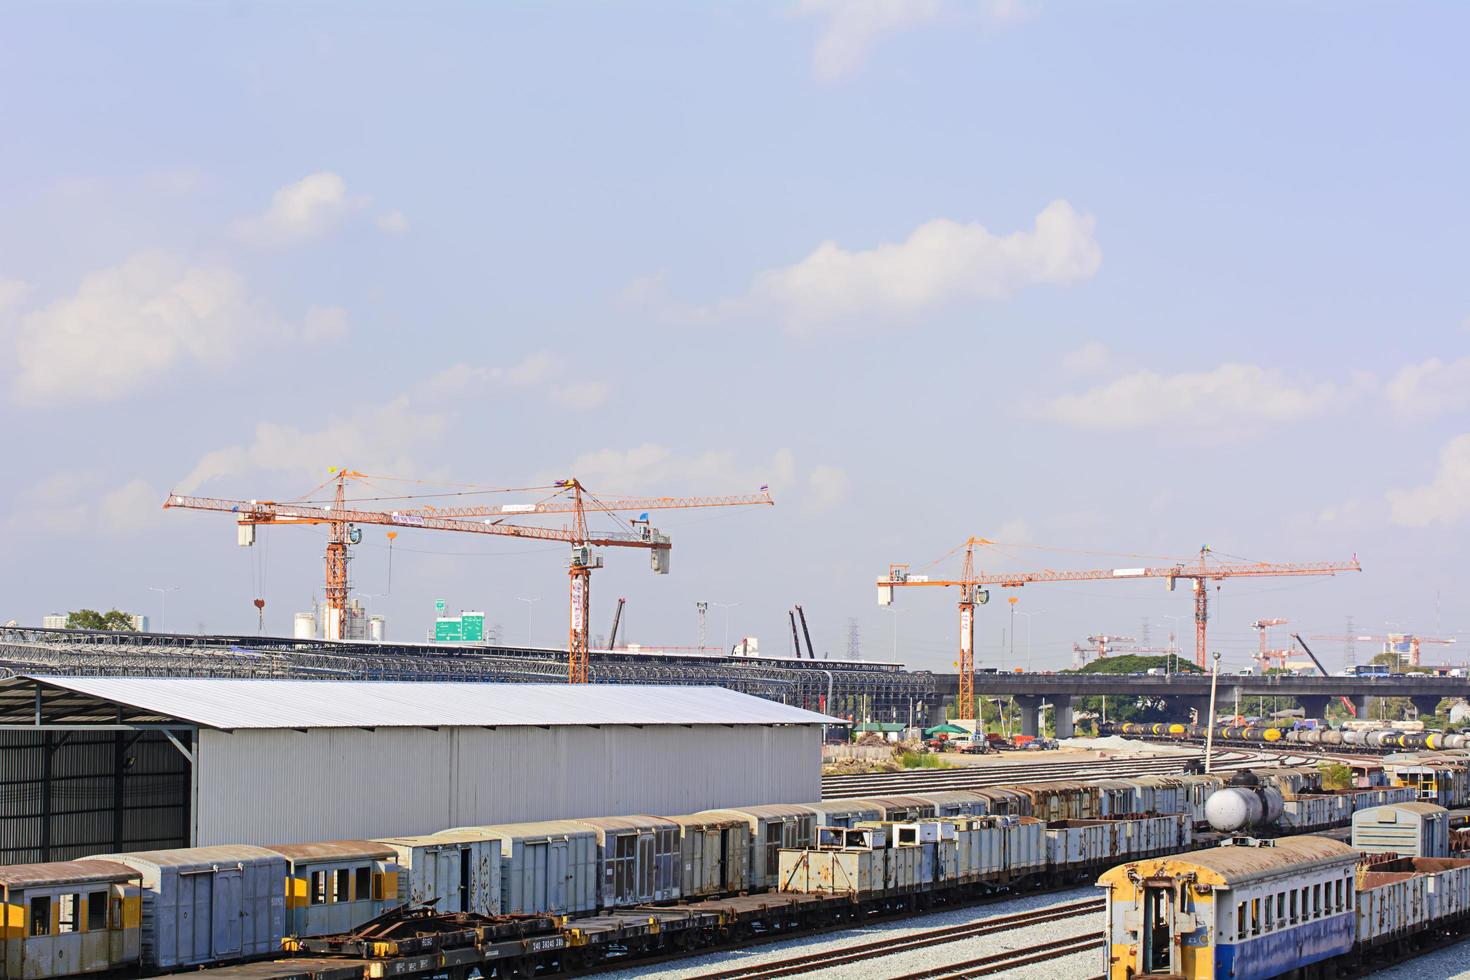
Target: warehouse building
{"x": 90, "y": 764}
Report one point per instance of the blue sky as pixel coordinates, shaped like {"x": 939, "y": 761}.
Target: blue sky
{"x": 1122, "y": 278}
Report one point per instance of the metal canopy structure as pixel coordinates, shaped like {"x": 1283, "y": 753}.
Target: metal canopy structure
{"x": 229, "y": 704}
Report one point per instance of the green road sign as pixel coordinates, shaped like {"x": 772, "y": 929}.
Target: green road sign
{"x": 472, "y": 627}
{"x": 448, "y": 629}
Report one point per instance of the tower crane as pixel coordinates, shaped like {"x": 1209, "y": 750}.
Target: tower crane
{"x": 1264, "y": 657}
{"x": 1391, "y": 641}
{"x": 972, "y": 592}
{"x": 568, "y": 497}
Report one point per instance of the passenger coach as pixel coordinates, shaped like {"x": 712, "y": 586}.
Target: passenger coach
{"x": 1245, "y": 910}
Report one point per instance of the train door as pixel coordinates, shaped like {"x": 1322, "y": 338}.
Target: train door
{"x": 1156, "y": 934}
{"x": 196, "y": 929}
{"x": 452, "y": 879}
{"x": 227, "y": 897}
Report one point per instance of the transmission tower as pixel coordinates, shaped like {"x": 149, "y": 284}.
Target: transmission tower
{"x": 854, "y": 640}
{"x": 1143, "y": 634}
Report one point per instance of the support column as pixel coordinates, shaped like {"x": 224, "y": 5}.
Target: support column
{"x": 1030, "y": 705}
{"x": 1360, "y": 704}
{"x": 1425, "y": 704}
{"x": 1315, "y": 705}
{"x": 1063, "y": 703}
{"x": 1186, "y": 703}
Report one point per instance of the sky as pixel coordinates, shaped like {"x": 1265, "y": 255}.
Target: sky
{"x": 1091, "y": 280}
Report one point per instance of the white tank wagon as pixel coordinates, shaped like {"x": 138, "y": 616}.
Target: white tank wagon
{"x": 1242, "y": 804}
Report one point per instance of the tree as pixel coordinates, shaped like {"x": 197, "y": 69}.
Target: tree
{"x": 91, "y": 619}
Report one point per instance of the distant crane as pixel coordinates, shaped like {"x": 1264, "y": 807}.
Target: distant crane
{"x": 810, "y": 653}
{"x": 612, "y": 643}
{"x": 1323, "y": 671}
{"x": 972, "y": 593}
{"x": 1264, "y": 657}
{"x": 1102, "y": 646}
{"x": 565, "y": 497}
{"x": 1393, "y": 642}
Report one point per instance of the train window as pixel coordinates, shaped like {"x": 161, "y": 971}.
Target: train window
{"x": 1293, "y": 904}
{"x": 342, "y": 890}
{"x": 1240, "y": 921}
{"x": 1255, "y": 917}
{"x": 96, "y": 911}
{"x": 1348, "y": 886}
{"x": 1270, "y": 922}
{"x": 66, "y": 913}
{"x": 318, "y": 895}
{"x": 1281, "y": 907}
{"x": 362, "y": 885}
{"x": 1317, "y": 900}
{"x": 114, "y": 914}
{"x": 1337, "y": 904}
{"x": 41, "y": 916}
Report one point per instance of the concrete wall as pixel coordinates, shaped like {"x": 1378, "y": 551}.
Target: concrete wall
{"x": 282, "y": 787}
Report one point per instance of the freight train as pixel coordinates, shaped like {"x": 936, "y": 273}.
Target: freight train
{"x": 1366, "y": 739}
{"x": 568, "y": 894}
{"x": 1304, "y": 907}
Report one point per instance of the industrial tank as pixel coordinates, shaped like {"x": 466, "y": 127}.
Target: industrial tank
{"x": 1243, "y": 803}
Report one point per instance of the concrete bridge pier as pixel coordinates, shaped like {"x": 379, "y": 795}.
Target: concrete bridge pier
{"x": 1425, "y": 705}
{"x": 1184, "y": 704}
{"x": 1063, "y": 706}
{"x": 1360, "y": 705}
{"x": 1314, "y": 705}
{"x": 1030, "y": 705}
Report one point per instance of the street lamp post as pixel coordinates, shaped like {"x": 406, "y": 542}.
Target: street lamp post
{"x": 530, "y": 608}
{"x": 1210, "y": 729}
{"x": 163, "y": 591}
{"x": 1028, "y": 616}
{"x": 1173, "y": 643}
{"x": 727, "y": 606}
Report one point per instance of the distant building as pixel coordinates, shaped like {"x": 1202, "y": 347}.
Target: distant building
{"x": 54, "y": 621}
{"x": 140, "y": 623}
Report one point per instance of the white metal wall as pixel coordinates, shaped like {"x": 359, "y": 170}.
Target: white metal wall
{"x": 286, "y": 787}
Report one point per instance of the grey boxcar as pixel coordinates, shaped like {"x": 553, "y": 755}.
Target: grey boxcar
{"x": 843, "y": 813}
{"x": 714, "y": 855}
{"x": 458, "y": 868}
{"x": 772, "y": 827}
{"x": 1406, "y": 829}
{"x": 639, "y": 858}
{"x": 202, "y": 904}
{"x": 545, "y": 866}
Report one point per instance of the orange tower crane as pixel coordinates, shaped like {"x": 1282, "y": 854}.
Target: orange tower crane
{"x": 1200, "y": 573}
{"x": 569, "y": 497}
{"x": 1392, "y": 640}
{"x": 1264, "y": 657}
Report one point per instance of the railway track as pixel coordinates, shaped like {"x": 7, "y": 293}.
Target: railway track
{"x": 1011, "y": 959}
{"x": 974, "y": 777}
{"x": 847, "y": 955}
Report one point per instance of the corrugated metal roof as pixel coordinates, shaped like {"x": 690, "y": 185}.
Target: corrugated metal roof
{"x": 232, "y": 703}
{"x": 64, "y": 873}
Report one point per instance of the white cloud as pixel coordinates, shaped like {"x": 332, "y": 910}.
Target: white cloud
{"x": 1444, "y": 499}
{"x": 1013, "y": 531}
{"x": 827, "y": 486}
{"x": 380, "y": 439}
{"x": 1090, "y": 358}
{"x": 12, "y": 291}
{"x": 851, "y": 29}
{"x": 393, "y": 222}
{"x": 72, "y": 503}
{"x": 310, "y": 207}
{"x": 942, "y": 261}
{"x": 582, "y": 395}
{"x": 535, "y": 369}
{"x": 325, "y": 323}
{"x": 1430, "y": 388}
{"x": 129, "y": 324}
{"x": 1230, "y": 396}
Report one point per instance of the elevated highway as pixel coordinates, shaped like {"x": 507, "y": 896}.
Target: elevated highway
{"x": 1192, "y": 691}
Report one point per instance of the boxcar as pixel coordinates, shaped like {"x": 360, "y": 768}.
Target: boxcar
{"x": 459, "y": 868}
{"x": 334, "y": 886}
{"x": 639, "y": 859}
{"x": 547, "y": 866}
{"x": 772, "y": 827}
{"x": 1406, "y": 829}
{"x": 1248, "y": 910}
{"x": 714, "y": 855}
{"x": 955, "y": 803}
{"x": 204, "y": 904}
{"x": 67, "y": 918}
{"x": 843, "y": 813}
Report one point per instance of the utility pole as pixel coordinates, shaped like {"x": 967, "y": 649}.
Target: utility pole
{"x": 703, "y": 608}
{"x": 1210, "y": 731}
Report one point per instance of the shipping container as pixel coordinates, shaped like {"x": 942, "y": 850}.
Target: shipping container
{"x": 335, "y": 886}
{"x": 856, "y": 871}
{"x": 69, "y": 917}
{"x": 639, "y": 859}
{"x": 458, "y": 869}
{"x": 202, "y": 904}
{"x": 547, "y": 866}
{"x": 772, "y": 827}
